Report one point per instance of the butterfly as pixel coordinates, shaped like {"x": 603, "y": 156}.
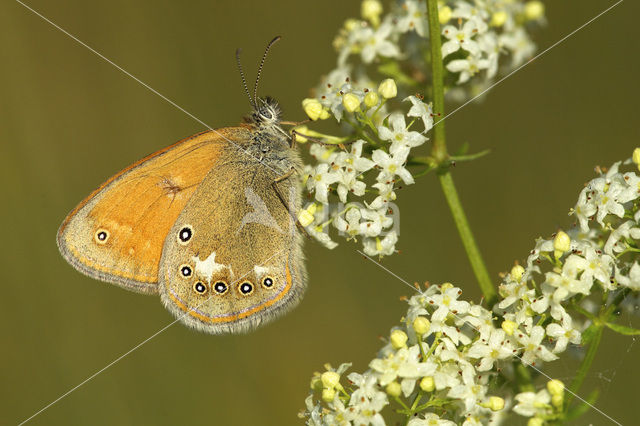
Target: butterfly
{"x": 207, "y": 223}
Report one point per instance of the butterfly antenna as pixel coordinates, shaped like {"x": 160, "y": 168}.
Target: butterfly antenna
{"x": 244, "y": 80}
{"x": 264, "y": 57}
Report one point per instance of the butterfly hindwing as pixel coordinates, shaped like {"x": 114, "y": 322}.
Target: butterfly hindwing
{"x": 233, "y": 259}
{"x": 117, "y": 233}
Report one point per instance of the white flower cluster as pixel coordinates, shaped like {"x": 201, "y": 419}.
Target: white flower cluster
{"x": 484, "y": 30}
{"x": 365, "y": 167}
{"x": 447, "y": 360}
{"x": 341, "y": 169}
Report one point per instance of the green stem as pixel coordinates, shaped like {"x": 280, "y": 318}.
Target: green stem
{"x": 599, "y": 322}
{"x": 439, "y": 147}
{"x": 470, "y": 246}
{"x": 585, "y": 365}
{"x": 441, "y": 156}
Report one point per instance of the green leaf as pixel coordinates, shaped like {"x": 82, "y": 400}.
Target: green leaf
{"x": 621, "y": 329}
{"x": 470, "y": 157}
{"x": 463, "y": 149}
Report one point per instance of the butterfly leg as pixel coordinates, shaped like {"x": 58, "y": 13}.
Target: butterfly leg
{"x": 284, "y": 202}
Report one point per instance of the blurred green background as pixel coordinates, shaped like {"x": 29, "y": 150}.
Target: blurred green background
{"x": 68, "y": 120}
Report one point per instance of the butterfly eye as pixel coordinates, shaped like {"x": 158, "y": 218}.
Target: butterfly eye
{"x": 101, "y": 236}
{"x": 266, "y": 114}
{"x": 220, "y": 287}
{"x": 185, "y": 271}
{"x": 199, "y": 287}
{"x": 267, "y": 282}
{"x": 246, "y": 288}
{"x": 185, "y": 234}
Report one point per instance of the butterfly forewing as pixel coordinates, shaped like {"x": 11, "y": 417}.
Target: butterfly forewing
{"x": 116, "y": 234}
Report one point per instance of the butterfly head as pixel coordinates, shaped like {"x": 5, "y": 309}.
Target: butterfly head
{"x": 266, "y": 113}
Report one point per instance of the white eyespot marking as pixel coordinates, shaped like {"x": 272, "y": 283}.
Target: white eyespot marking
{"x": 185, "y": 271}
{"x": 206, "y": 268}
{"x": 185, "y": 234}
{"x": 101, "y": 236}
{"x": 267, "y": 282}
{"x": 246, "y": 288}
{"x": 199, "y": 287}
{"x": 220, "y": 287}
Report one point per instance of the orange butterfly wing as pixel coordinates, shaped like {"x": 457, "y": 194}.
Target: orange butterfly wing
{"x": 117, "y": 233}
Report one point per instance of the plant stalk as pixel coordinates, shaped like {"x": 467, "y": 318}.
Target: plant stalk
{"x": 441, "y": 156}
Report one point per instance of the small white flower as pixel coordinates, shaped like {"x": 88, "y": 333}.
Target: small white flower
{"x": 460, "y": 38}
{"x": 376, "y": 42}
{"x": 467, "y": 67}
{"x": 400, "y": 136}
{"x": 520, "y": 44}
{"x": 469, "y": 393}
{"x": 354, "y": 158}
{"x": 632, "y": 280}
{"x": 321, "y": 179}
{"x": 405, "y": 364}
{"x": 447, "y": 302}
{"x": 533, "y": 348}
{"x": 318, "y": 233}
{"x": 421, "y": 110}
{"x": 472, "y": 13}
{"x": 413, "y": 17}
{"x": 392, "y": 165}
{"x": 564, "y": 333}
{"x": 497, "y": 347}
{"x": 385, "y": 194}
{"x": 381, "y": 247}
{"x": 529, "y": 403}
{"x": 430, "y": 419}
{"x": 374, "y": 221}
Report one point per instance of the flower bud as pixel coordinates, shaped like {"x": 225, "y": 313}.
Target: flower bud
{"x": 636, "y": 157}
{"x": 371, "y": 99}
{"x": 535, "y": 421}
{"x": 557, "y": 400}
{"x": 328, "y": 394}
{"x": 495, "y": 403}
{"x": 371, "y": 10}
{"x": 305, "y": 217}
{"x": 444, "y": 14}
{"x": 398, "y": 339}
{"x": 314, "y": 109}
{"x": 421, "y": 325}
{"x": 499, "y": 18}
{"x": 394, "y": 389}
{"x": 555, "y": 387}
{"x": 534, "y": 10}
{"x": 351, "y": 102}
{"x": 388, "y": 88}
{"x": 351, "y": 24}
{"x": 427, "y": 384}
{"x": 561, "y": 243}
{"x": 445, "y": 286}
{"x": 316, "y": 383}
{"x": 516, "y": 273}
{"x": 301, "y": 130}
{"x": 330, "y": 379}
{"x": 509, "y": 327}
